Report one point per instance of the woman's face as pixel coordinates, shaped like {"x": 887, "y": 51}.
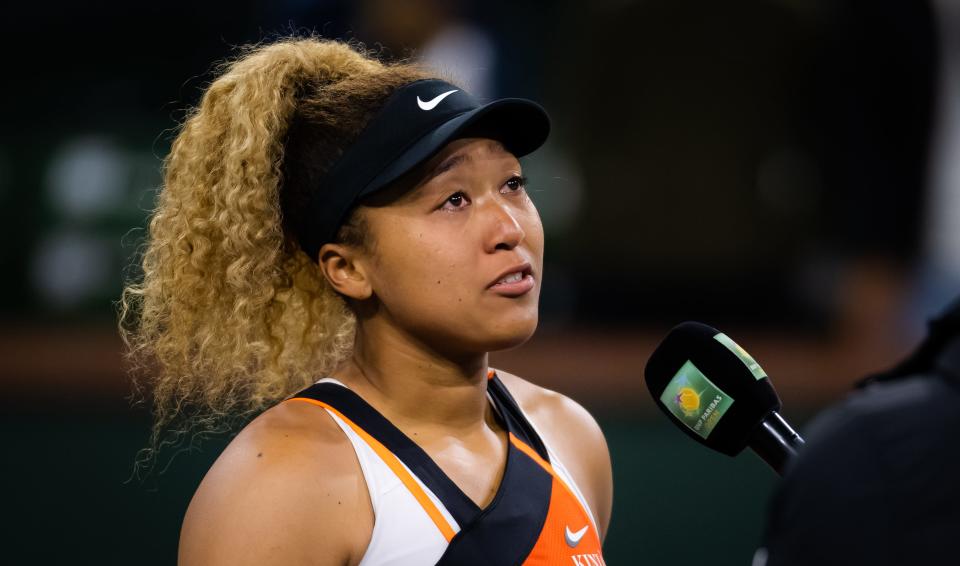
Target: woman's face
{"x": 457, "y": 260}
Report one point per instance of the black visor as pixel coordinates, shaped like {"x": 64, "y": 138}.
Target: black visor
{"x": 416, "y": 122}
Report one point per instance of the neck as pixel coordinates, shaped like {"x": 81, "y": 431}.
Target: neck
{"x": 410, "y": 382}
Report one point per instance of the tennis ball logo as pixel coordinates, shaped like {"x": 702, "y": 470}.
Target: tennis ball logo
{"x": 688, "y": 400}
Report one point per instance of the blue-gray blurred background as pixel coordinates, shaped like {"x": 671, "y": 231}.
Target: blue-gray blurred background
{"x": 785, "y": 170}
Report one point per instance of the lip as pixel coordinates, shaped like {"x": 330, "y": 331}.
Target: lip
{"x": 516, "y": 288}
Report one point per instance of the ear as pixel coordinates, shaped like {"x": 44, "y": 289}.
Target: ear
{"x": 344, "y": 269}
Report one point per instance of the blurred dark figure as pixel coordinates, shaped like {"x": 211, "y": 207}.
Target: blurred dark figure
{"x": 440, "y": 33}
{"x": 876, "y": 482}
{"x": 878, "y": 77}
{"x": 761, "y": 162}
{"x": 878, "y": 72}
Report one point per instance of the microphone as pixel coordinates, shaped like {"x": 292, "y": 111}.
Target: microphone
{"x": 719, "y": 395}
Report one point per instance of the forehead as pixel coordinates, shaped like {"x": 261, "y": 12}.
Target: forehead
{"x": 462, "y": 151}
{"x": 448, "y": 159}
{"x": 468, "y": 146}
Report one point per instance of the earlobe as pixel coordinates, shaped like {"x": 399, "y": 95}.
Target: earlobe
{"x": 340, "y": 266}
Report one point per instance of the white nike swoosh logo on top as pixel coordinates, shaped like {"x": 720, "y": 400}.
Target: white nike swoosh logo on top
{"x": 432, "y": 103}
{"x": 573, "y": 539}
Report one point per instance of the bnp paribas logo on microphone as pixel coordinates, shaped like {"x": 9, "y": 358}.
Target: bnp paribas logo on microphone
{"x": 695, "y": 400}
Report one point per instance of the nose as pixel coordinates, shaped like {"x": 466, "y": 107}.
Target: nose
{"x": 505, "y": 231}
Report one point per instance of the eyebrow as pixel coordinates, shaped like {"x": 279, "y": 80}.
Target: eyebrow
{"x": 446, "y": 165}
{"x": 458, "y": 158}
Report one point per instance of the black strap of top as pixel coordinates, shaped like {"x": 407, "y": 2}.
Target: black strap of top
{"x": 352, "y": 406}
{"x": 508, "y": 528}
{"x": 516, "y": 421}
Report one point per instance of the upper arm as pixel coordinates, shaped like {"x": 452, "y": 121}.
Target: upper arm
{"x": 574, "y": 435}
{"x": 278, "y": 496}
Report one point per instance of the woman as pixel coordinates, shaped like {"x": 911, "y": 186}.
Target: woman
{"x": 328, "y": 216}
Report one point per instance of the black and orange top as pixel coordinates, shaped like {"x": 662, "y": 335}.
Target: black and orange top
{"x": 537, "y": 516}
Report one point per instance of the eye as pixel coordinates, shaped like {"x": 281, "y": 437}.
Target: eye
{"x": 515, "y": 184}
{"x": 456, "y": 201}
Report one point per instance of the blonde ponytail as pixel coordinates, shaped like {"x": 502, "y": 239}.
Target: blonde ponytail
{"x": 230, "y": 315}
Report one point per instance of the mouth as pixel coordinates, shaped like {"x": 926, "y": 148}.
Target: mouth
{"x": 514, "y": 282}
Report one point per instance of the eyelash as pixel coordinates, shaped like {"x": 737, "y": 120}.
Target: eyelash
{"x": 519, "y": 179}
{"x": 460, "y": 194}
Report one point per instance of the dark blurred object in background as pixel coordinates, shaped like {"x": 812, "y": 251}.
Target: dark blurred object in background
{"x": 876, "y": 482}
{"x": 741, "y": 158}
{"x": 736, "y": 161}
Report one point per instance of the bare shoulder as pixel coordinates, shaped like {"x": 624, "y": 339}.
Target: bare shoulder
{"x": 287, "y": 490}
{"x": 551, "y": 411}
{"x": 572, "y": 432}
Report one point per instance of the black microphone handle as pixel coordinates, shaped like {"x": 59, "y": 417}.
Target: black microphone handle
{"x": 775, "y": 442}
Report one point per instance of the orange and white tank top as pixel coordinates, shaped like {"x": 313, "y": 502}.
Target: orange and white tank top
{"x": 538, "y": 515}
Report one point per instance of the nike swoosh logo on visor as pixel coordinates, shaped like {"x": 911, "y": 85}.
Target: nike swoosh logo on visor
{"x": 573, "y": 539}
{"x": 432, "y": 103}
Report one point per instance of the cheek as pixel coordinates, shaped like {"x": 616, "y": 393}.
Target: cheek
{"x": 533, "y": 228}
{"x": 420, "y": 271}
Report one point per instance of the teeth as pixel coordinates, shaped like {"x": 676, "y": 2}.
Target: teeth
{"x": 512, "y": 278}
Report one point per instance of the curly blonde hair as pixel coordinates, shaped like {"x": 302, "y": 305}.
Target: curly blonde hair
{"x": 231, "y": 315}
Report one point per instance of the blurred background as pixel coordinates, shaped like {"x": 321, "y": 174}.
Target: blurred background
{"x": 785, "y": 170}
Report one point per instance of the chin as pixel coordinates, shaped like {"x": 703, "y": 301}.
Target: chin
{"x": 511, "y": 334}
